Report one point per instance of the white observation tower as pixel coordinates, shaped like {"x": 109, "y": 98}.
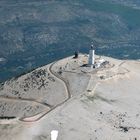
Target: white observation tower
{"x": 91, "y": 59}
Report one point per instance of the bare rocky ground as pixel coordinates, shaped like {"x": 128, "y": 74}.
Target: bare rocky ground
{"x": 20, "y": 109}
{"x": 38, "y": 88}
{"x": 104, "y": 103}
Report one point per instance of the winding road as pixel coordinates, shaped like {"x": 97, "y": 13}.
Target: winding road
{"x": 24, "y": 99}
{"x": 40, "y": 115}
{"x": 66, "y": 84}
{"x": 60, "y": 78}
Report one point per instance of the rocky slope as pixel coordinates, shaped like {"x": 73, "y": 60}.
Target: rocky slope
{"x": 103, "y": 103}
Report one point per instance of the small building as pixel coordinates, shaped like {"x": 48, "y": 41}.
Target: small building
{"x": 76, "y": 54}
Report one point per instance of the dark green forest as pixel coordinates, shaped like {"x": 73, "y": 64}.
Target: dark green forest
{"x": 36, "y": 32}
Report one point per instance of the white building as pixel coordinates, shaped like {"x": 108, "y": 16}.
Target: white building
{"x": 91, "y": 59}
{"x": 54, "y": 134}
